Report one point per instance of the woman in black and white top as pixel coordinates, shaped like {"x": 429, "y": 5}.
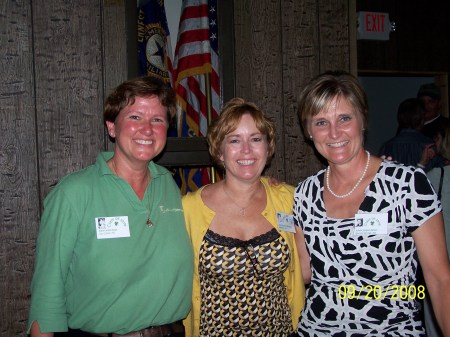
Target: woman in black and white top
{"x": 364, "y": 222}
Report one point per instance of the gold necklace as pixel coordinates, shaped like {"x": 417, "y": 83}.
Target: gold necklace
{"x": 148, "y": 222}
{"x": 241, "y": 209}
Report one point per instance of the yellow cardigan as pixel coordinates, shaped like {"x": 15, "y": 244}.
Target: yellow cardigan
{"x": 198, "y": 218}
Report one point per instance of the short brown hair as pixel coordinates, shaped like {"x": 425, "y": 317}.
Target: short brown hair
{"x": 323, "y": 89}
{"x": 144, "y": 86}
{"x": 228, "y": 121}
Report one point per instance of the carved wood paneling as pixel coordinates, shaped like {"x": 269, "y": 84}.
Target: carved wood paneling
{"x": 19, "y": 198}
{"x": 69, "y": 86}
{"x": 115, "y": 56}
{"x": 334, "y": 35}
{"x": 301, "y": 62}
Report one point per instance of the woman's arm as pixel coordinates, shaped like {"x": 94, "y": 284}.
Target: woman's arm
{"x": 36, "y": 331}
{"x": 303, "y": 255}
{"x": 430, "y": 242}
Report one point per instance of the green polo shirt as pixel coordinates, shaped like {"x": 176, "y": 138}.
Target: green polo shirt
{"x": 99, "y": 266}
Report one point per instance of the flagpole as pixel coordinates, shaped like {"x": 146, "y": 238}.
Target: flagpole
{"x": 209, "y": 117}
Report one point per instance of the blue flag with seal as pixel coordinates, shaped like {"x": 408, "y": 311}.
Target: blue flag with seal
{"x": 154, "y": 46}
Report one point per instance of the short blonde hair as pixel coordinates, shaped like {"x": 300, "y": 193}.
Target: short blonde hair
{"x": 320, "y": 92}
{"x": 228, "y": 121}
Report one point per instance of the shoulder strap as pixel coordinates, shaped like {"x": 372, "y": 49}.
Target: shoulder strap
{"x": 440, "y": 183}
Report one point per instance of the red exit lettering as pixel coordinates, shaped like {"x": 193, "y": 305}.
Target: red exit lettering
{"x": 374, "y": 22}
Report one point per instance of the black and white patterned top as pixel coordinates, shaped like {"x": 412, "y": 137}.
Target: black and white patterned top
{"x": 359, "y": 283}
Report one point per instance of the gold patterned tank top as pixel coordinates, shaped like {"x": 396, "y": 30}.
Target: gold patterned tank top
{"x": 242, "y": 286}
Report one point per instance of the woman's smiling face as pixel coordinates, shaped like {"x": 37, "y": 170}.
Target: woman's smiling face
{"x": 140, "y": 129}
{"x": 245, "y": 150}
{"x": 337, "y": 131}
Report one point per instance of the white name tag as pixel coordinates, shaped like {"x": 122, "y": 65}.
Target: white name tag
{"x": 285, "y": 222}
{"x": 371, "y": 224}
{"x": 112, "y": 227}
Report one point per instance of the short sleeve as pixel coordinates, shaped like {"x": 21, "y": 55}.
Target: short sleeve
{"x": 422, "y": 202}
{"x": 296, "y": 206}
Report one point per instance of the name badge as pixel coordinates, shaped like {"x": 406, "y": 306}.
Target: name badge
{"x": 285, "y": 222}
{"x": 371, "y": 224}
{"x": 112, "y": 227}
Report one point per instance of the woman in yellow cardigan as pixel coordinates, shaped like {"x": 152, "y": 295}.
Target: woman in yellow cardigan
{"x": 247, "y": 277}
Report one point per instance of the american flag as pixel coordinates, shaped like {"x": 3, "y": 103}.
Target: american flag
{"x": 196, "y": 64}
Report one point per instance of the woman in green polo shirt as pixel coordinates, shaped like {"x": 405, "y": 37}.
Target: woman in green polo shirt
{"x": 113, "y": 255}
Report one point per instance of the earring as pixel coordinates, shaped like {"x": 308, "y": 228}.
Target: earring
{"x": 310, "y": 137}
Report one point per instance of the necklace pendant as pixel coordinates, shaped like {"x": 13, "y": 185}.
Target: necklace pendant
{"x": 149, "y": 222}
{"x": 242, "y": 211}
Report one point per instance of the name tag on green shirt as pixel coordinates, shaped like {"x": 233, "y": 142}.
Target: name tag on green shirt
{"x": 112, "y": 227}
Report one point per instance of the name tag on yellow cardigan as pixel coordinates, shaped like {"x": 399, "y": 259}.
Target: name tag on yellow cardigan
{"x": 112, "y": 227}
{"x": 285, "y": 222}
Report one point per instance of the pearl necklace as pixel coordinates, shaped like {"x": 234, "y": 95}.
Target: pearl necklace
{"x": 327, "y": 178}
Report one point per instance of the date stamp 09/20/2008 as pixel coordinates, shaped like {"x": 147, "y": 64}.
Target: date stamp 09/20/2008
{"x": 378, "y": 292}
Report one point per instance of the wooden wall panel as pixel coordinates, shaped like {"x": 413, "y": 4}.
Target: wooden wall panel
{"x": 301, "y": 62}
{"x": 334, "y": 35}
{"x": 69, "y": 86}
{"x": 19, "y": 199}
{"x": 114, "y": 37}
{"x": 259, "y": 65}
{"x": 115, "y": 56}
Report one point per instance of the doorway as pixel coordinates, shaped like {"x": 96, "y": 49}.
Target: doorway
{"x": 385, "y": 92}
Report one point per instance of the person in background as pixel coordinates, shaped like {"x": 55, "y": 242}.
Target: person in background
{"x": 430, "y": 95}
{"x": 367, "y": 224}
{"x": 440, "y": 178}
{"x": 437, "y": 151}
{"x": 113, "y": 256}
{"x": 247, "y": 277}
{"x": 408, "y": 145}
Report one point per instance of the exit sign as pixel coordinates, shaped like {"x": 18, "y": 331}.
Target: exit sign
{"x": 373, "y": 26}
